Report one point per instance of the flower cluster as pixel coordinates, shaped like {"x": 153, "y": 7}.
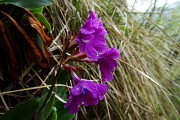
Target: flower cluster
{"x": 84, "y": 92}
{"x": 91, "y": 38}
{"x": 92, "y": 42}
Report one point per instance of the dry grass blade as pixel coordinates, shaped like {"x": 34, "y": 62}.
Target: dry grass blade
{"x": 32, "y": 88}
{"x": 155, "y": 81}
{"x": 140, "y": 89}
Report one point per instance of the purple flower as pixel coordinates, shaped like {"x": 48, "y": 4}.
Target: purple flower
{"x": 91, "y": 38}
{"x": 84, "y": 93}
{"x": 108, "y": 62}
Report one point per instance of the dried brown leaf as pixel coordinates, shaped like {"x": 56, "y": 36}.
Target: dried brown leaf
{"x": 42, "y": 57}
{"x": 39, "y": 27}
{"x": 9, "y": 49}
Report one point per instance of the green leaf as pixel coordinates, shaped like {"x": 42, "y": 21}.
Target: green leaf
{"x": 38, "y": 13}
{"x": 62, "y": 113}
{"x": 24, "y": 111}
{"x": 45, "y": 112}
{"x": 31, "y": 4}
{"x": 39, "y": 41}
{"x": 62, "y": 79}
{"x": 37, "y": 10}
{"x": 53, "y": 114}
{"x": 43, "y": 20}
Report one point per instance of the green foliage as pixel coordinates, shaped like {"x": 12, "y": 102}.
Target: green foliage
{"x": 37, "y": 10}
{"x": 62, "y": 113}
{"x": 31, "y": 4}
{"x": 62, "y": 79}
{"x": 46, "y": 111}
{"x": 44, "y": 108}
{"x": 43, "y": 20}
{"x": 56, "y": 111}
{"x": 38, "y": 13}
{"x": 53, "y": 114}
{"x": 39, "y": 41}
{"x": 24, "y": 111}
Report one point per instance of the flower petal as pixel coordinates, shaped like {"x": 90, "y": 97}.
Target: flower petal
{"x": 73, "y": 104}
{"x": 108, "y": 62}
{"x": 91, "y": 38}
{"x": 85, "y": 93}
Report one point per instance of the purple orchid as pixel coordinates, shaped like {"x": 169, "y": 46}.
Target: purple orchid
{"x": 92, "y": 44}
{"x": 108, "y": 62}
{"x": 91, "y": 38}
{"x": 86, "y": 93}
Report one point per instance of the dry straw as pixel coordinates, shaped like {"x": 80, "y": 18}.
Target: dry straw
{"x": 143, "y": 83}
